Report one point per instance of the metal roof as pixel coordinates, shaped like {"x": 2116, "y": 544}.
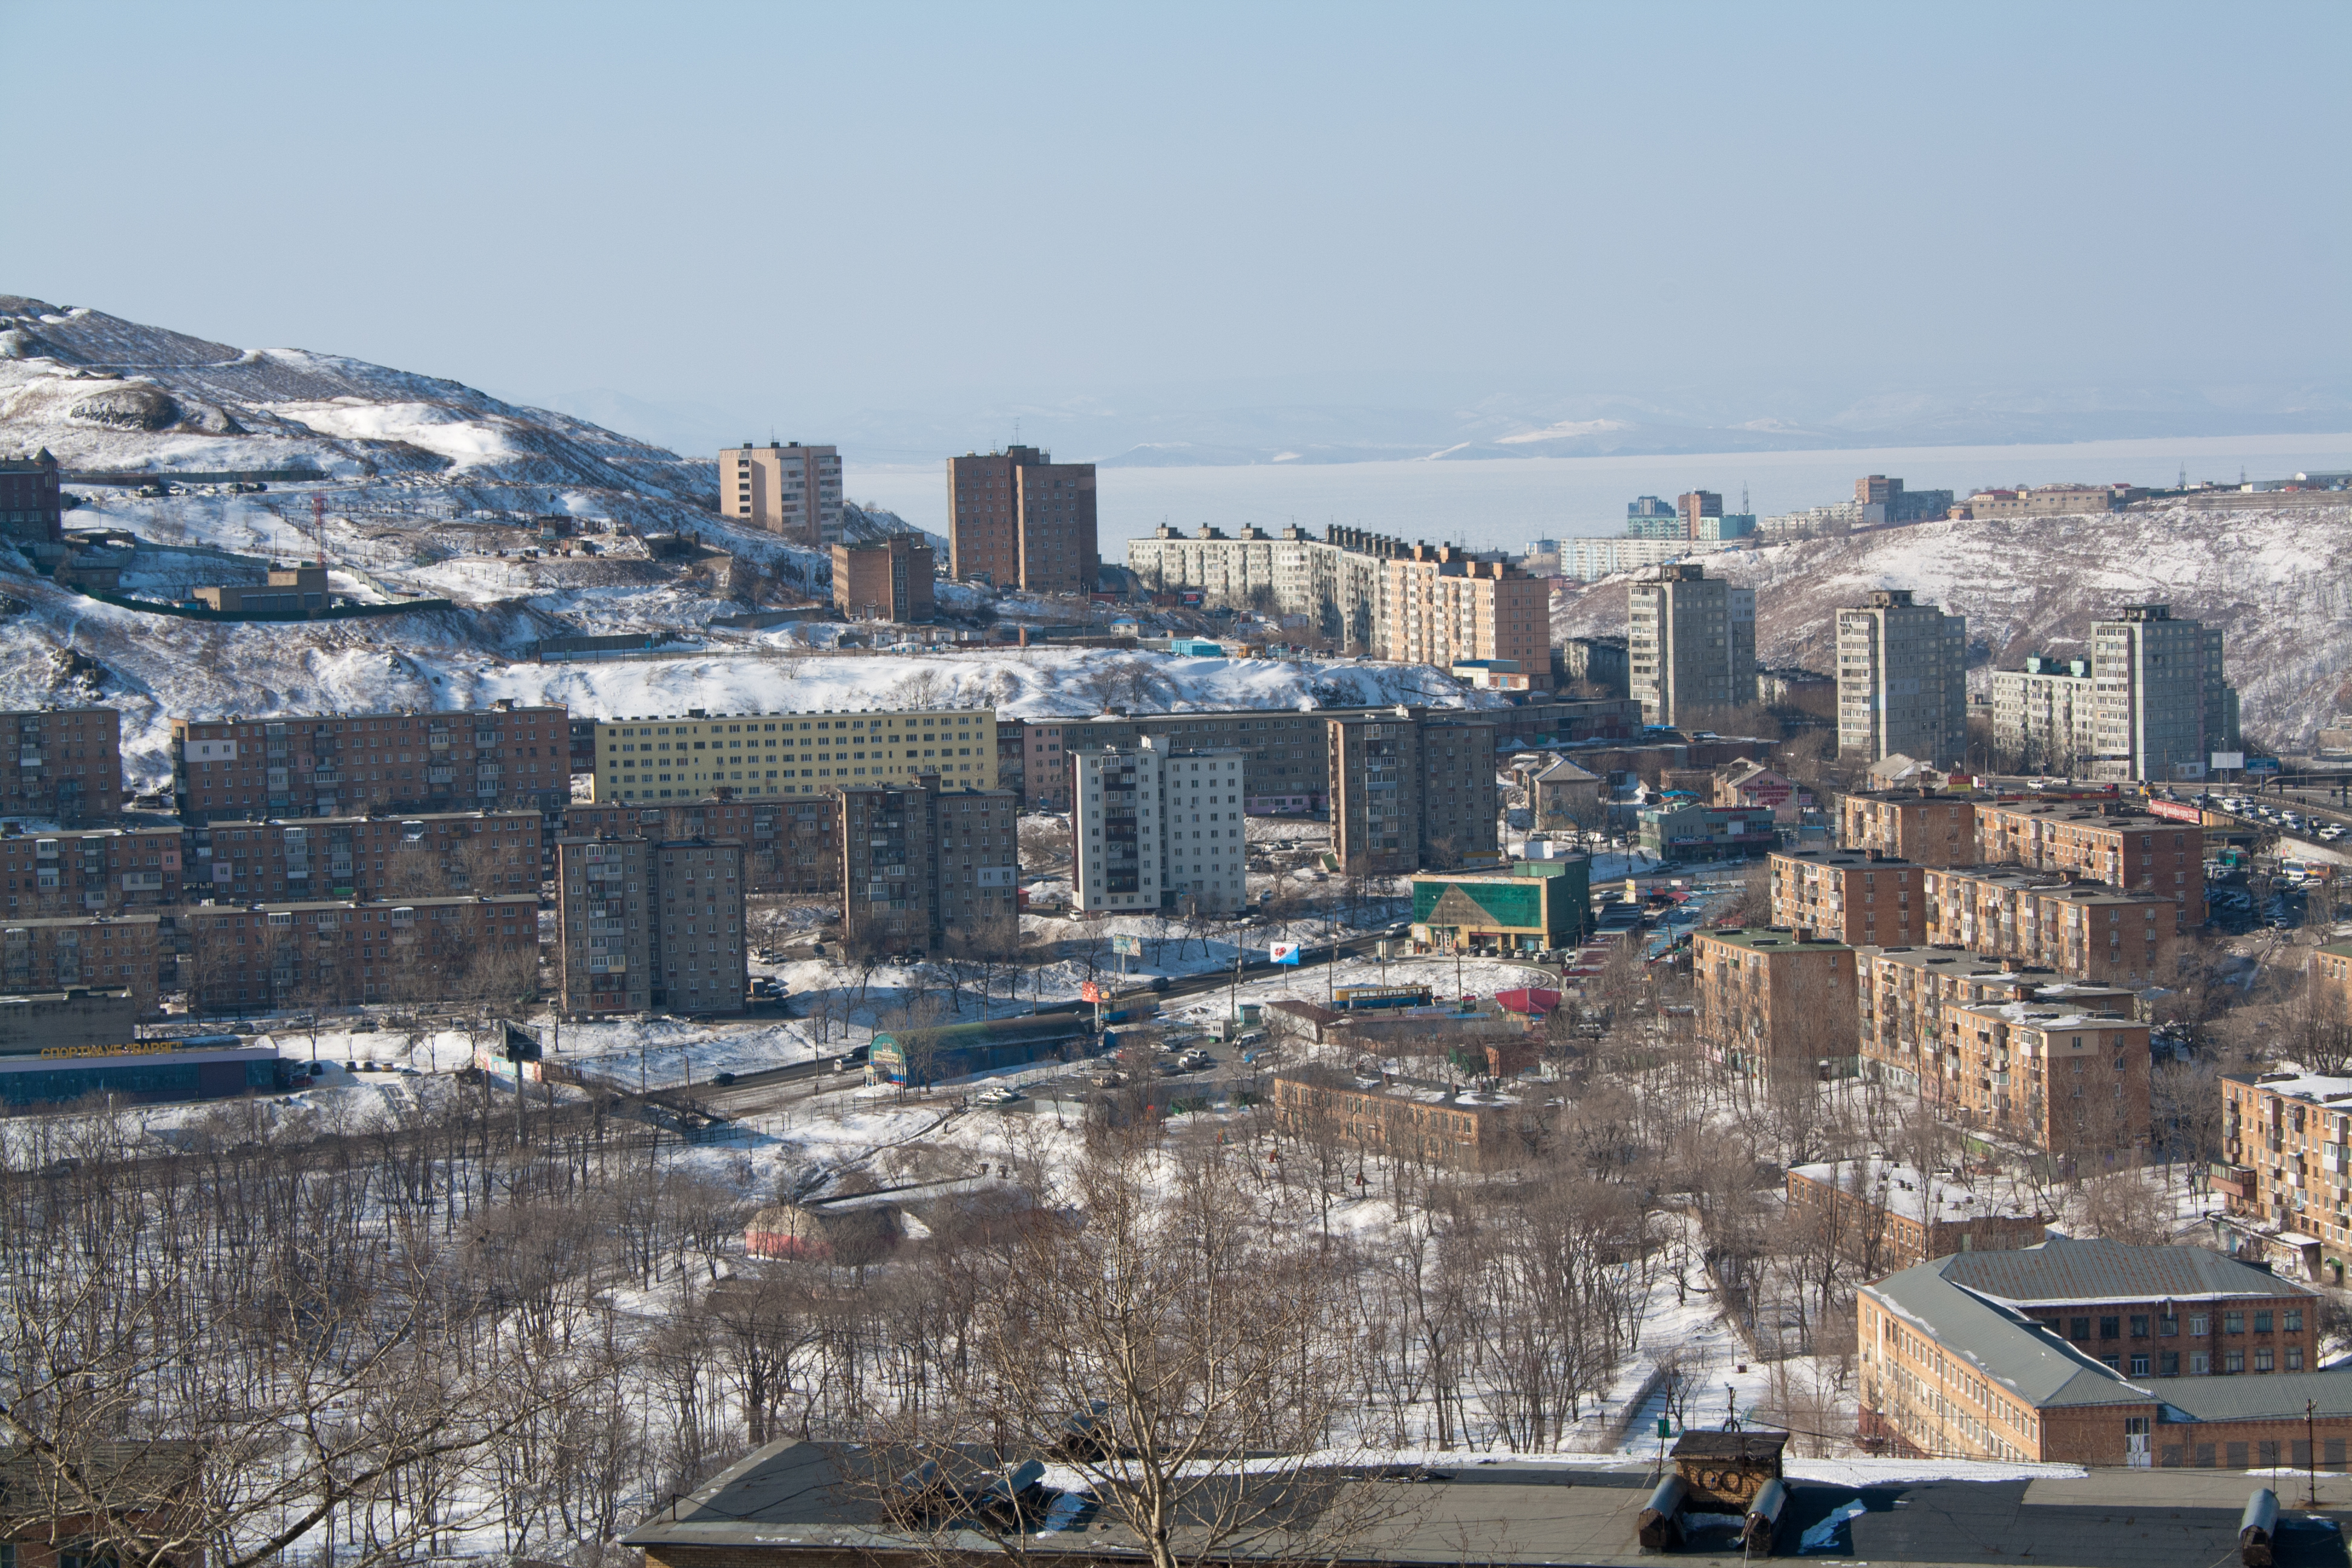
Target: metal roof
{"x": 2065, "y": 1269}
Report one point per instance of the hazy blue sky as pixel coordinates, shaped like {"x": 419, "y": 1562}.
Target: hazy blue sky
{"x": 799, "y": 214}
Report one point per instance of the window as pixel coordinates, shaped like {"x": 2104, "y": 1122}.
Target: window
{"x": 2197, "y": 1328}
{"x": 2233, "y": 1323}
{"x": 2295, "y": 1358}
{"x": 2140, "y": 1366}
{"x": 2233, "y": 1360}
{"x": 2199, "y": 1363}
{"x": 2078, "y": 1328}
{"x": 2170, "y": 1361}
{"x": 2167, "y": 1328}
{"x": 2261, "y": 1323}
{"x": 2110, "y": 1328}
{"x": 2139, "y": 1325}
{"x": 2295, "y": 1320}
{"x": 2262, "y": 1360}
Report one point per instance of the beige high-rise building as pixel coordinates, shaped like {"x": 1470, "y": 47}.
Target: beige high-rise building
{"x": 1446, "y": 607}
{"x": 1017, "y": 519}
{"x": 1690, "y": 645}
{"x": 791, "y": 490}
{"x": 2161, "y": 705}
{"x": 1902, "y": 674}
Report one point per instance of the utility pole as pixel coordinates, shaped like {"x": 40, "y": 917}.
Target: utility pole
{"x": 2311, "y": 1446}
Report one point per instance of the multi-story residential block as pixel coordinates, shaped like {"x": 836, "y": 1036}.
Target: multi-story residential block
{"x": 99, "y": 870}
{"x": 605, "y": 924}
{"x": 2161, "y": 704}
{"x": 341, "y": 953}
{"x": 1446, "y": 607}
{"x": 2087, "y": 930}
{"x": 1013, "y": 756}
{"x": 61, "y": 764}
{"x": 2329, "y": 975}
{"x": 2096, "y": 1352}
{"x": 1695, "y": 507}
{"x": 1902, "y": 672}
{"x": 794, "y": 490}
{"x": 113, "y": 953}
{"x": 1918, "y": 825}
{"x": 1019, "y": 519}
{"x": 1597, "y": 664}
{"x": 783, "y": 754}
{"x": 790, "y": 846}
{"x": 2100, "y": 840}
{"x": 1890, "y": 1215}
{"x": 437, "y": 854}
{"x": 1773, "y": 1001}
{"x": 1338, "y": 583}
{"x": 921, "y": 864}
{"x": 886, "y": 580}
{"x": 2286, "y": 1169}
{"x": 1535, "y": 906}
{"x": 2049, "y": 1075}
{"x": 697, "y": 951}
{"x": 1910, "y": 998}
{"x": 330, "y": 764}
{"x": 1156, "y": 827}
{"x": 1690, "y": 645}
{"x": 2045, "y": 716}
{"x": 1409, "y": 791}
{"x": 1855, "y": 896}
{"x": 32, "y": 507}
{"x": 1878, "y": 499}
{"x": 1591, "y": 559}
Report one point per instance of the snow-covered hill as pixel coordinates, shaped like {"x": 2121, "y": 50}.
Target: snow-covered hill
{"x": 2278, "y": 583}
{"x": 432, "y": 488}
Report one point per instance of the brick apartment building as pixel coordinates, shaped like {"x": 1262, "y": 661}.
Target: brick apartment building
{"x": 1019, "y": 519}
{"x": 2329, "y": 975}
{"x": 343, "y": 953}
{"x": 650, "y": 923}
{"x": 1891, "y": 1215}
{"x": 432, "y": 854}
{"x": 1853, "y": 896}
{"x": 2045, "y": 1073}
{"x": 347, "y": 764}
{"x": 63, "y": 764}
{"x": 2087, "y": 930}
{"x": 1410, "y": 791}
{"x": 791, "y": 490}
{"x": 1910, "y": 999}
{"x": 99, "y": 871}
{"x": 1402, "y": 1118}
{"x": 2100, "y": 841}
{"x": 2286, "y": 1176}
{"x": 32, "y": 507}
{"x": 1772, "y": 1001}
{"x": 62, "y": 953}
{"x": 886, "y": 580}
{"x": 790, "y": 846}
{"x": 1446, "y": 607}
{"x": 920, "y": 865}
{"x": 1911, "y": 824}
{"x": 2096, "y": 1353}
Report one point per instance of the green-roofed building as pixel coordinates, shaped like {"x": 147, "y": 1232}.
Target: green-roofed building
{"x": 1535, "y": 905}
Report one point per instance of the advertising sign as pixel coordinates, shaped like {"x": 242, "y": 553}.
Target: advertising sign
{"x": 1090, "y": 991}
{"x": 1126, "y": 946}
{"x": 2229, "y": 762}
{"x": 2176, "y": 810}
{"x": 1282, "y": 952}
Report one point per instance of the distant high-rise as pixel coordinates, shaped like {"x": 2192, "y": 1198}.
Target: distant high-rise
{"x": 791, "y": 490}
{"x": 1648, "y": 506}
{"x": 2160, "y": 705}
{"x": 1690, "y": 649}
{"x": 1017, "y": 519}
{"x": 887, "y": 579}
{"x": 1695, "y": 505}
{"x": 1902, "y": 674}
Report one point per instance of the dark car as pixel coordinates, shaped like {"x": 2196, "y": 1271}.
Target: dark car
{"x": 723, "y": 1079}
{"x": 1159, "y": 983}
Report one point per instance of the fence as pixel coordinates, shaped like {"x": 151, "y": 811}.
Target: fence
{"x": 204, "y": 613}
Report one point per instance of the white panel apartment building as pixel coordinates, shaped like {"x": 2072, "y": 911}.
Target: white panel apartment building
{"x": 1154, "y": 828}
{"x": 1902, "y": 674}
{"x": 2045, "y": 715}
{"x": 1337, "y": 582}
{"x": 1690, "y": 645}
{"x": 2162, "y": 705}
{"x": 791, "y": 490}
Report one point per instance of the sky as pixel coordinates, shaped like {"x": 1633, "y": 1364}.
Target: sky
{"x": 906, "y": 225}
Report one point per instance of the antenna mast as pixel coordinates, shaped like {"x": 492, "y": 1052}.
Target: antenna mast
{"x": 319, "y": 523}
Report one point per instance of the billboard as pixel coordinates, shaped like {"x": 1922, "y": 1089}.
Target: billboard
{"x": 1126, "y": 946}
{"x": 2229, "y": 762}
{"x": 2176, "y": 810}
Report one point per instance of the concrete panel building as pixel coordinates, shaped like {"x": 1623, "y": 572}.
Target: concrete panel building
{"x": 605, "y": 928}
{"x": 1409, "y": 791}
{"x": 772, "y": 756}
{"x": 62, "y": 764}
{"x": 1902, "y": 673}
{"x": 883, "y": 580}
{"x": 921, "y": 864}
{"x": 790, "y": 846}
{"x": 2045, "y": 716}
{"x": 326, "y": 765}
{"x": 1690, "y": 645}
{"x": 1019, "y": 519}
{"x": 792, "y": 489}
{"x": 698, "y": 951}
{"x": 1446, "y": 607}
{"x": 2162, "y": 706}
{"x": 1338, "y": 583}
{"x": 1155, "y": 827}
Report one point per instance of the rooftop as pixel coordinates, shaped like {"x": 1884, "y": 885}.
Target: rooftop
{"x": 1900, "y": 1186}
{"x": 2065, "y": 1269}
{"x": 1764, "y": 938}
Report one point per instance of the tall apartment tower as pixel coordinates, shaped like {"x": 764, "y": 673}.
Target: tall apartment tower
{"x": 886, "y": 580}
{"x": 1902, "y": 675}
{"x": 1694, "y": 507}
{"x": 2160, "y": 704}
{"x": 1409, "y": 793}
{"x": 645, "y": 924}
{"x": 791, "y": 490}
{"x": 1446, "y": 607}
{"x": 919, "y": 864}
{"x": 697, "y": 952}
{"x": 62, "y": 764}
{"x": 1690, "y": 645}
{"x": 1157, "y": 828}
{"x": 1019, "y": 519}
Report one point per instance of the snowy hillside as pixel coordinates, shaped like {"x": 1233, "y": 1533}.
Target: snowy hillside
{"x": 2278, "y": 583}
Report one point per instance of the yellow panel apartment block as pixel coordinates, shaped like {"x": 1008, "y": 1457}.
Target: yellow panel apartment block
{"x": 786, "y": 755}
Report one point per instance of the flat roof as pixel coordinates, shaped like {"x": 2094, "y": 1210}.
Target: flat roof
{"x": 1768, "y": 938}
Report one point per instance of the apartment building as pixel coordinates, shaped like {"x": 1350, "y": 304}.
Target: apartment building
{"x": 757, "y": 755}
{"x": 2286, "y": 1176}
{"x": 2038, "y": 500}
{"x": 1853, "y": 896}
{"x": 102, "y": 870}
{"x": 344, "y": 952}
{"x": 1409, "y": 791}
{"x": 1909, "y": 1000}
{"x": 61, "y": 953}
{"x": 1772, "y": 1001}
{"x": 2099, "y": 840}
{"x": 650, "y": 923}
{"x": 1902, "y": 674}
{"x": 790, "y": 846}
{"x": 2053, "y": 1077}
{"x": 1338, "y": 583}
{"x": 2096, "y": 1352}
{"x": 61, "y": 764}
{"x": 2329, "y": 975}
{"x": 430, "y": 854}
{"x": 2162, "y": 706}
{"x": 1918, "y": 825}
{"x": 883, "y": 580}
{"x": 1890, "y": 1215}
{"x": 1694, "y": 508}
{"x": 1690, "y": 645}
{"x": 2087, "y": 930}
{"x": 1446, "y": 607}
{"x": 920, "y": 865}
{"x": 1157, "y": 828}
{"x": 1878, "y": 499}
{"x": 2045, "y": 716}
{"x": 1017, "y": 519}
{"x": 32, "y": 507}
{"x": 792, "y": 489}
{"x": 330, "y": 764}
